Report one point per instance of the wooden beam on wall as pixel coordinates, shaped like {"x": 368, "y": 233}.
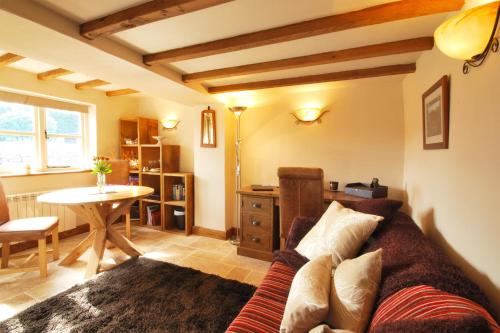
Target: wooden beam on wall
{"x": 90, "y": 84}
{"x": 53, "y": 74}
{"x": 329, "y": 77}
{"x": 143, "y": 14}
{"x": 120, "y": 92}
{"x": 9, "y": 58}
{"x": 363, "y": 52}
{"x": 389, "y": 12}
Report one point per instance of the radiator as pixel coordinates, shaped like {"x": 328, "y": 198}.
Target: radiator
{"x": 25, "y": 205}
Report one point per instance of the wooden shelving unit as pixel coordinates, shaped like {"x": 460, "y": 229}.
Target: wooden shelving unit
{"x": 149, "y": 154}
{"x": 186, "y": 179}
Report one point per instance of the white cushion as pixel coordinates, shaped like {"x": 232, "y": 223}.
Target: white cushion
{"x": 308, "y": 300}
{"x": 353, "y": 291}
{"x": 340, "y": 232}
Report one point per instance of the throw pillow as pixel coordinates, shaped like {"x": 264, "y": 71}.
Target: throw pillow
{"x": 353, "y": 291}
{"x": 308, "y": 300}
{"x": 340, "y": 232}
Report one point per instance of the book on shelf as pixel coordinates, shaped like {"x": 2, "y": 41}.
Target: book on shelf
{"x": 178, "y": 192}
{"x": 153, "y": 214}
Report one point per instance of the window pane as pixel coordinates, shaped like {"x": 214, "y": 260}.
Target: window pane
{"x": 17, "y": 117}
{"x": 62, "y": 122}
{"x": 16, "y": 151}
{"x": 63, "y": 152}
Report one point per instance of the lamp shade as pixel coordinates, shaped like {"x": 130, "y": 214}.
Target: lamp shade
{"x": 467, "y": 34}
{"x": 308, "y": 115}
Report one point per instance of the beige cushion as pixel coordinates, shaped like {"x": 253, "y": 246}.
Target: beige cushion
{"x": 353, "y": 291}
{"x": 340, "y": 232}
{"x": 308, "y": 300}
{"x": 326, "y": 329}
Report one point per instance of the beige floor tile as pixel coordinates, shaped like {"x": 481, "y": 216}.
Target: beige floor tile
{"x": 11, "y": 306}
{"x": 255, "y": 277}
{"x": 238, "y": 274}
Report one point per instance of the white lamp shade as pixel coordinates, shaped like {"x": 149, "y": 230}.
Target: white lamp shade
{"x": 467, "y": 34}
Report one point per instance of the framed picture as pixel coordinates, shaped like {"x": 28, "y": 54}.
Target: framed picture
{"x": 208, "y": 129}
{"x": 436, "y": 114}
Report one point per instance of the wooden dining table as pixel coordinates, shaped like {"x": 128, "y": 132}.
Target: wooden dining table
{"x": 100, "y": 210}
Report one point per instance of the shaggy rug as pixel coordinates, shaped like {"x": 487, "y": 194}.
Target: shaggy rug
{"x": 140, "y": 295}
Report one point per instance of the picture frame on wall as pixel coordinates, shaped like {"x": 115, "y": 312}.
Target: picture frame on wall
{"x": 436, "y": 115}
{"x": 208, "y": 129}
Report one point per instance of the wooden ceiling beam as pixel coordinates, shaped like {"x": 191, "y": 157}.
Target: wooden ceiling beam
{"x": 363, "y": 52}
{"x": 143, "y": 14}
{"x": 90, "y": 84}
{"x": 329, "y": 77}
{"x": 120, "y": 92}
{"x": 389, "y": 12}
{"x": 53, "y": 74}
{"x": 9, "y": 58}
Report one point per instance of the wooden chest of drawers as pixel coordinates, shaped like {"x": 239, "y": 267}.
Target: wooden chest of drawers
{"x": 259, "y": 227}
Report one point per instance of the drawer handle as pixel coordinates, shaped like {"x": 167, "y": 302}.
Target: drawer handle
{"x": 255, "y": 239}
{"x": 256, "y": 205}
{"x": 255, "y": 222}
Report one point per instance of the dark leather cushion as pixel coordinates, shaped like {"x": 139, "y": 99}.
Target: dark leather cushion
{"x": 381, "y": 207}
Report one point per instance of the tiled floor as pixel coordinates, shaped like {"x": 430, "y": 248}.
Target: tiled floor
{"x": 18, "y": 291}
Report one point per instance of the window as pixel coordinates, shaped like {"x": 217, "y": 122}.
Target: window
{"x": 43, "y": 137}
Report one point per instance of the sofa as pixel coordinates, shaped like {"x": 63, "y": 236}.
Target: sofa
{"x": 420, "y": 290}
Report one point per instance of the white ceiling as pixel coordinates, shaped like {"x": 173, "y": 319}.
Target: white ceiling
{"x": 244, "y": 16}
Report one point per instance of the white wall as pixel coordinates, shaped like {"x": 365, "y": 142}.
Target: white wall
{"x": 209, "y": 170}
{"x": 360, "y": 138}
{"x": 453, "y": 194}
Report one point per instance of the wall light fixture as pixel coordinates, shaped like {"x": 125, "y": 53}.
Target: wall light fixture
{"x": 470, "y": 35}
{"x": 309, "y": 115}
{"x": 170, "y": 124}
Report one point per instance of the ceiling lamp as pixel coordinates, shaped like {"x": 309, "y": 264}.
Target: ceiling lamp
{"x": 470, "y": 35}
{"x": 309, "y": 115}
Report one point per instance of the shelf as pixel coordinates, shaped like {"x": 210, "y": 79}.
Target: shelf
{"x": 177, "y": 174}
{"x": 134, "y": 171}
{"x": 130, "y": 146}
{"x": 179, "y": 203}
{"x": 152, "y": 201}
{"x": 151, "y": 173}
{"x": 155, "y": 145}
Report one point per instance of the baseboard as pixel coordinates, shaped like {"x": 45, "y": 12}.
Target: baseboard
{"x": 21, "y": 246}
{"x": 217, "y": 234}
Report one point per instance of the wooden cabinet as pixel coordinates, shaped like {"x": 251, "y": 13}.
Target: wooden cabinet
{"x": 259, "y": 227}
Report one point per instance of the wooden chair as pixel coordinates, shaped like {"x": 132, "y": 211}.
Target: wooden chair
{"x": 301, "y": 194}
{"x": 119, "y": 176}
{"x": 35, "y": 228}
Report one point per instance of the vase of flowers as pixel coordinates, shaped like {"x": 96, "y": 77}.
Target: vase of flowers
{"x": 101, "y": 168}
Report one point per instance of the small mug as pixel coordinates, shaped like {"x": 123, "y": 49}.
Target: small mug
{"x": 333, "y": 186}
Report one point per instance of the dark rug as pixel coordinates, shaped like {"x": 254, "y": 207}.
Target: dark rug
{"x": 140, "y": 295}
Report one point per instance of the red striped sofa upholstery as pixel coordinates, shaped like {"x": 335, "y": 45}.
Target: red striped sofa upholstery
{"x": 421, "y": 291}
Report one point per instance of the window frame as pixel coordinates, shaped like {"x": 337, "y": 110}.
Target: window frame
{"x": 40, "y": 136}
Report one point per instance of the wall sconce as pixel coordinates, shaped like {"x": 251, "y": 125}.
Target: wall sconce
{"x": 170, "y": 124}
{"x": 309, "y": 115}
{"x": 470, "y": 35}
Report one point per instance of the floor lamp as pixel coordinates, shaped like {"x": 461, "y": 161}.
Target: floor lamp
{"x": 238, "y": 110}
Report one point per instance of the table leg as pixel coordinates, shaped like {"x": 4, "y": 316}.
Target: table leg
{"x": 123, "y": 243}
{"x": 78, "y": 250}
{"x": 96, "y": 253}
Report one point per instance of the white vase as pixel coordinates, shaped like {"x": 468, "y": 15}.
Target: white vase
{"x": 101, "y": 182}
